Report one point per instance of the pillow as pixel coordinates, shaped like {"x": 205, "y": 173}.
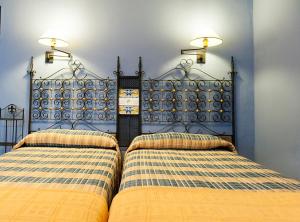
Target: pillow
{"x": 69, "y": 139}
{"x": 174, "y": 140}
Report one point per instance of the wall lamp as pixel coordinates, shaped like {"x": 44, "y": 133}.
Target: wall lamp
{"x": 54, "y": 43}
{"x": 201, "y": 44}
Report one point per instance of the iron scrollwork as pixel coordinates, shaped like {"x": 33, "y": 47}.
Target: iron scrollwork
{"x": 181, "y": 96}
{"x": 74, "y": 95}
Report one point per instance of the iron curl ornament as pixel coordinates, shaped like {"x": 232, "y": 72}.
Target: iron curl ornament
{"x": 72, "y": 95}
{"x": 187, "y": 97}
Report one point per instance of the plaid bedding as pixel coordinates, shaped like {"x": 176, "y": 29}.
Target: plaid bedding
{"x": 84, "y": 169}
{"x": 199, "y": 169}
{"x": 176, "y": 140}
{"x": 69, "y": 139}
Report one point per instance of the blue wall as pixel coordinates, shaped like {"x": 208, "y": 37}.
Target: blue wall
{"x": 100, "y": 30}
{"x": 277, "y": 78}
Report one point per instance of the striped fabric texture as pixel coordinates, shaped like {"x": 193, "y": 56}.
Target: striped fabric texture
{"x": 69, "y": 139}
{"x": 41, "y": 205}
{"x": 85, "y": 170}
{"x": 174, "y": 140}
{"x": 199, "y": 169}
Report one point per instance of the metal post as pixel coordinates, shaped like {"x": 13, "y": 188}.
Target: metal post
{"x": 140, "y": 73}
{"x": 22, "y": 123}
{"x": 16, "y": 132}
{"x": 5, "y": 136}
{"x": 13, "y": 129}
{"x": 31, "y": 74}
{"x": 233, "y": 74}
{"x": 118, "y": 73}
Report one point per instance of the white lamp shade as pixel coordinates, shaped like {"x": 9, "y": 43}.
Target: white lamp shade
{"x": 53, "y": 42}
{"x": 203, "y": 42}
{"x": 54, "y": 38}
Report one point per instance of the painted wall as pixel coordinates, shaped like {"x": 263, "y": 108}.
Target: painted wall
{"x": 100, "y": 30}
{"x": 277, "y": 78}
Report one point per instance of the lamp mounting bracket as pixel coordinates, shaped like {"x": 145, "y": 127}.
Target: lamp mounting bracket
{"x": 49, "y": 55}
{"x": 199, "y": 52}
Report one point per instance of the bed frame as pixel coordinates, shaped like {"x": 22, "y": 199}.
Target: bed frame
{"x": 184, "y": 99}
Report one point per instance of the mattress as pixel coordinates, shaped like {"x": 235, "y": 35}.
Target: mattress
{"x": 59, "y": 175}
{"x": 186, "y": 177}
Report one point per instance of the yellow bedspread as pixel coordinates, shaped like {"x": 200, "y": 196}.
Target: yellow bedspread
{"x": 36, "y": 205}
{"x": 162, "y": 204}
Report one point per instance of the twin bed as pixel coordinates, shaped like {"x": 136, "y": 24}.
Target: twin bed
{"x": 189, "y": 177}
{"x": 63, "y": 175}
{"x": 59, "y": 175}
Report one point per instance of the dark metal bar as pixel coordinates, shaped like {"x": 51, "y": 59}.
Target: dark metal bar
{"x": 5, "y": 136}
{"x": 16, "y": 133}
{"x": 22, "y": 135}
{"x": 118, "y": 65}
{"x": 140, "y": 65}
{"x": 140, "y": 73}
{"x": 118, "y": 74}
{"x": 233, "y": 74}
{"x": 191, "y": 51}
{"x": 13, "y": 130}
{"x": 31, "y": 75}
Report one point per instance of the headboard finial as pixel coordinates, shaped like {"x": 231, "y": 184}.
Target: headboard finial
{"x": 118, "y": 71}
{"x": 140, "y": 71}
{"x": 31, "y": 71}
{"x": 233, "y": 72}
{"x": 118, "y": 64}
{"x": 140, "y": 64}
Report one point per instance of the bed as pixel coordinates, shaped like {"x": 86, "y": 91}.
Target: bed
{"x": 190, "y": 177}
{"x": 59, "y": 175}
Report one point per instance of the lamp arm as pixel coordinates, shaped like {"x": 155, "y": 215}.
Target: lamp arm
{"x": 62, "y": 51}
{"x": 49, "y": 55}
{"x": 192, "y": 51}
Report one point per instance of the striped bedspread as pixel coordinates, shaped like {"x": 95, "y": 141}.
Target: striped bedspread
{"x": 199, "y": 169}
{"x": 78, "y": 169}
{"x": 183, "y": 177}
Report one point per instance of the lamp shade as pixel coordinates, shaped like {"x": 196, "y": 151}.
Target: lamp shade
{"x": 53, "y": 42}
{"x": 204, "y": 42}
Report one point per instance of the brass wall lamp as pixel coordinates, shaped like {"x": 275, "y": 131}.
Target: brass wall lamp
{"x": 201, "y": 44}
{"x": 54, "y": 43}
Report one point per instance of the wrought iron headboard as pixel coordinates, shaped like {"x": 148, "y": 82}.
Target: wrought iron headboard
{"x": 184, "y": 98}
{"x": 189, "y": 99}
{"x": 72, "y": 97}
